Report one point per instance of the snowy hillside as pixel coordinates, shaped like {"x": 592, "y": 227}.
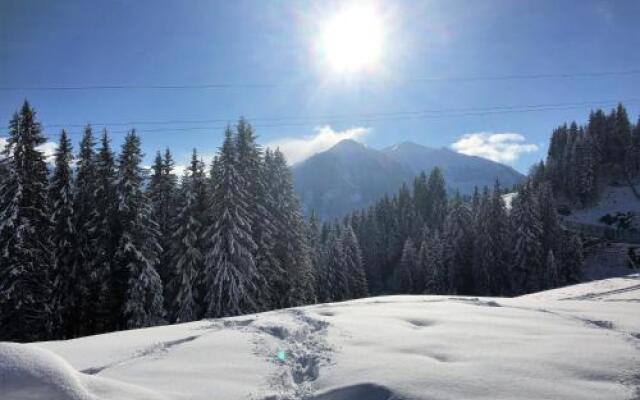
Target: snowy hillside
{"x": 614, "y": 199}
{"x": 580, "y": 342}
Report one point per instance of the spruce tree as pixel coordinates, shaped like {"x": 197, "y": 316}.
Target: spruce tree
{"x": 162, "y": 193}
{"x": 64, "y": 239}
{"x": 256, "y": 175}
{"x": 102, "y": 301}
{"x": 528, "y": 250}
{"x": 25, "y": 232}
{"x": 337, "y": 283}
{"x": 372, "y": 252}
{"x": 458, "y": 248}
{"x": 185, "y": 255}
{"x": 315, "y": 251}
{"x": 353, "y": 262}
{"x": 84, "y": 205}
{"x": 437, "y": 194}
{"x": 230, "y": 272}
{"x": 403, "y": 274}
{"x": 138, "y": 247}
{"x": 291, "y": 247}
{"x": 433, "y": 261}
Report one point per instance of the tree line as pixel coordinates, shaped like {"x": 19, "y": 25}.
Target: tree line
{"x": 96, "y": 243}
{"x": 93, "y": 244}
{"x": 419, "y": 241}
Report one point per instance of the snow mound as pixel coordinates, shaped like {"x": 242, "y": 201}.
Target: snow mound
{"x": 32, "y": 373}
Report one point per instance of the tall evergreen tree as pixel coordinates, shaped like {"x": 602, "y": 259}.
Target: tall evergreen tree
{"x": 162, "y": 191}
{"x": 255, "y": 173}
{"x": 84, "y": 204}
{"x": 138, "y": 248}
{"x": 185, "y": 255}
{"x": 104, "y": 221}
{"x": 25, "y": 227}
{"x": 353, "y": 262}
{"x": 230, "y": 271}
{"x": 64, "y": 239}
{"x": 403, "y": 274}
{"x": 432, "y": 260}
{"x": 437, "y": 194}
{"x": 337, "y": 281}
{"x": 291, "y": 246}
{"x": 458, "y": 248}
{"x": 528, "y": 250}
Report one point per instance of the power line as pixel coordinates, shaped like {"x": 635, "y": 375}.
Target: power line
{"x": 339, "y": 117}
{"x": 266, "y": 85}
{"x": 279, "y": 122}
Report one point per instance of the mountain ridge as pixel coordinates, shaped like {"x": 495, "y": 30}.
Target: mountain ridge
{"x": 351, "y": 175}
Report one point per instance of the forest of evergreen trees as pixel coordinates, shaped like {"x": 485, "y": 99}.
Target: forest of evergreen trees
{"x": 583, "y": 159}
{"x": 418, "y": 241}
{"x": 95, "y": 243}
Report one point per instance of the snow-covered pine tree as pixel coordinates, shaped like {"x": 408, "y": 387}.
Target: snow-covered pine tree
{"x": 291, "y": 246}
{"x": 551, "y": 229}
{"x": 408, "y": 222}
{"x": 353, "y": 262}
{"x": 64, "y": 240}
{"x": 261, "y": 209}
{"x": 421, "y": 197}
{"x": 229, "y": 270}
{"x": 335, "y": 277}
{"x": 25, "y": 232}
{"x": 420, "y": 274}
{"x": 528, "y": 269}
{"x": 390, "y": 239}
{"x": 372, "y": 251}
{"x": 138, "y": 249}
{"x": 104, "y": 224}
{"x": 84, "y": 206}
{"x": 315, "y": 251}
{"x": 432, "y": 251}
{"x": 162, "y": 192}
{"x": 437, "y": 195}
{"x": 483, "y": 254}
{"x": 585, "y": 171}
{"x": 501, "y": 244}
{"x": 403, "y": 279}
{"x": 458, "y": 248}
{"x": 185, "y": 256}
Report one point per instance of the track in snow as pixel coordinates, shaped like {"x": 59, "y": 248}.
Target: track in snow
{"x": 305, "y": 349}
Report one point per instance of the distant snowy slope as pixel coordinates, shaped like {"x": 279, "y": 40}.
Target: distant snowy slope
{"x": 397, "y": 347}
{"x": 614, "y": 199}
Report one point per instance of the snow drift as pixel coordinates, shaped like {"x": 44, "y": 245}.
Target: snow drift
{"x": 580, "y": 342}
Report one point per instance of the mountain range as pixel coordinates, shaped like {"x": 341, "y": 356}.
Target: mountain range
{"x": 351, "y": 175}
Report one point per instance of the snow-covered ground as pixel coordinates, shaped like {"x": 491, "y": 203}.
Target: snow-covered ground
{"x": 579, "y": 342}
{"x": 614, "y": 199}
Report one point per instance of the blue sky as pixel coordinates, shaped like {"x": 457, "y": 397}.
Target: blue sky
{"x": 244, "y": 43}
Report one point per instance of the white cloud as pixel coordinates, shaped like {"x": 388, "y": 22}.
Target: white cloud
{"x": 499, "y": 147}
{"x": 299, "y": 149}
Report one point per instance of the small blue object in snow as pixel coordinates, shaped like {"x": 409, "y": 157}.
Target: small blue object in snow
{"x": 280, "y": 355}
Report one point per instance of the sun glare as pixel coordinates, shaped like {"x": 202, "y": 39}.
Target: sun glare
{"x": 353, "y": 39}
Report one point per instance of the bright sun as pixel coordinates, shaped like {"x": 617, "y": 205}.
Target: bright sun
{"x": 353, "y": 39}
